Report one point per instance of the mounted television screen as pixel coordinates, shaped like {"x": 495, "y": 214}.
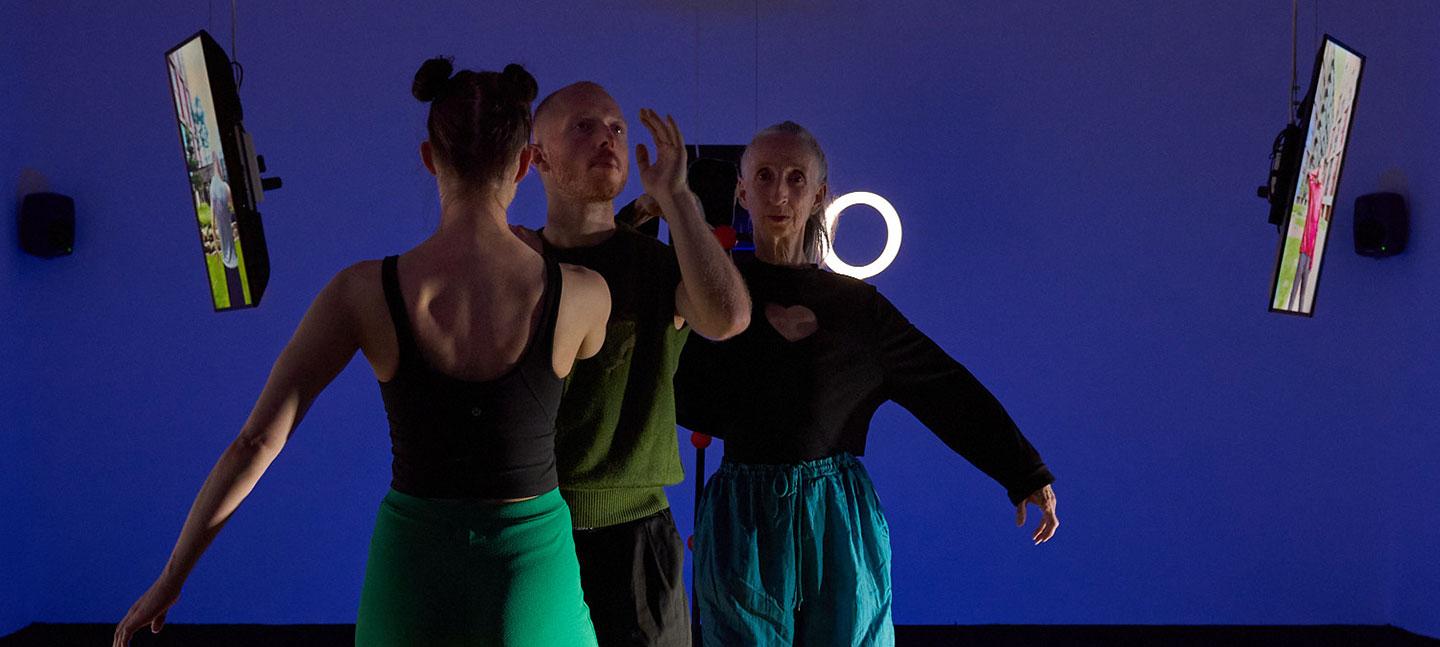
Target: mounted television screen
{"x": 207, "y": 109}
{"x": 1331, "y": 110}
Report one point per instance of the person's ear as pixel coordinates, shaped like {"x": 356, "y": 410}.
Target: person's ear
{"x": 741, "y": 195}
{"x": 527, "y": 153}
{"x": 427, "y": 154}
{"x": 537, "y": 158}
{"x": 821, "y": 194}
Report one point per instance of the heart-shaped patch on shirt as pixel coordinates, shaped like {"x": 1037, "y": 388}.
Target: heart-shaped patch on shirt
{"x": 793, "y": 323}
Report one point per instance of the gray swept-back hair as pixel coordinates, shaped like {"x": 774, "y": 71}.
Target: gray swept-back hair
{"x": 817, "y": 237}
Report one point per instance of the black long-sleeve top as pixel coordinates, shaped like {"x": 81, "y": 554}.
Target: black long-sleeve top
{"x": 774, "y": 400}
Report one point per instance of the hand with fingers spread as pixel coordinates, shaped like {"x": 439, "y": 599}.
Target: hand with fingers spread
{"x": 150, "y": 610}
{"x": 1043, "y": 498}
{"x": 664, "y": 177}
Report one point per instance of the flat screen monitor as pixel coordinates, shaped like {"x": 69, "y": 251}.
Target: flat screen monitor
{"x": 207, "y": 110}
{"x": 1328, "y": 111}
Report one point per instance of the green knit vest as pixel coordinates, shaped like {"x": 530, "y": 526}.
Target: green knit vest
{"x": 615, "y": 439}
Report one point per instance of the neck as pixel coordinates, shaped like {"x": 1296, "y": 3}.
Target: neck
{"x": 577, "y": 223}
{"x": 780, "y": 251}
{"x": 474, "y": 218}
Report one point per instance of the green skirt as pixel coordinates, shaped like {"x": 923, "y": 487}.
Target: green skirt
{"x": 457, "y": 572}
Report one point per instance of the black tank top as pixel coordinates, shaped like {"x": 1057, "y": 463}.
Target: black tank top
{"x": 458, "y": 439}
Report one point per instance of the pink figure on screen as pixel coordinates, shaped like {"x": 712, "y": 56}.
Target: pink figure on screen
{"x": 1312, "y": 217}
{"x": 1315, "y": 198}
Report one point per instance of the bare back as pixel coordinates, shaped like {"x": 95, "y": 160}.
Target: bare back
{"x": 475, "y": 312}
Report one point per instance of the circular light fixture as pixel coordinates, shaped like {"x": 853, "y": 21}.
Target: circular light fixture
{"x": 892, "y": 233}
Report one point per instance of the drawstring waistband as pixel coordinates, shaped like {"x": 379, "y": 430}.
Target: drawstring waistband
{"x": 785, "y": 481}
{"x": 790, "y": 484}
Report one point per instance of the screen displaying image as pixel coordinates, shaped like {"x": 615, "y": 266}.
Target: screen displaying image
{"x": 210, "y": 181}
{"x": 1312, "y": 205}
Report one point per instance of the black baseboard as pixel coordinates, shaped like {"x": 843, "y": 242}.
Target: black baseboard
{"x": 90, "y": 635}
{"x": 1159, "y": 635}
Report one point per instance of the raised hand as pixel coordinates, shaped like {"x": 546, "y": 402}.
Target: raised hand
{"x": 665, "y": 176}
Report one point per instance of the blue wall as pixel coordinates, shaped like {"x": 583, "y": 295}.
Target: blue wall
{"x": 1077, "y": 189}
{"x": 17, "y": 461}
{"x": 1413, "y": 512}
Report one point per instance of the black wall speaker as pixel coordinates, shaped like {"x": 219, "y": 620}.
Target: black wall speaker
{"x": 1382, "y": 224}
{"x": 47, "y": 224}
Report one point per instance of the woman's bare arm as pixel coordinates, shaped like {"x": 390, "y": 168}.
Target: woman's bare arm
{"x": 322, "y": 346}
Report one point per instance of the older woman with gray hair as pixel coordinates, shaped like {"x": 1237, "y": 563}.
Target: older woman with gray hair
{"x": 792, "y": 547}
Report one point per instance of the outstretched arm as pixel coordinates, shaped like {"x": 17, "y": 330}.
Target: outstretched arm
{"x": 711, "y": 294}
{"x": 324, "y": 343}
{"x": 947, "y": 398}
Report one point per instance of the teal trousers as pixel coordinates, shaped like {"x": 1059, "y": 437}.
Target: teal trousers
{"x": 793, "y": 555}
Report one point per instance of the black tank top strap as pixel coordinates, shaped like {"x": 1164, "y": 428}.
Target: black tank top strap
{"x": 542, "y": 348}
{"x": 390, "y": 280}
{"x": 554, "y": 282}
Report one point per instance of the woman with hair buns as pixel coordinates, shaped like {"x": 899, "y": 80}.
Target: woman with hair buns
{"x": 470, "y": 335}
{"x": 791, "y": 545}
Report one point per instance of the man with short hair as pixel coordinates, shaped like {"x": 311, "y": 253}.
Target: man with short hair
{"x": 616, "y": 446}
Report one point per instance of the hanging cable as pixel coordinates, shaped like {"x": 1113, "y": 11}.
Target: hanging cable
{"x": 695, "y": 97}
{"x": 1293, "y": 111}
{"x": 236, "y": 68}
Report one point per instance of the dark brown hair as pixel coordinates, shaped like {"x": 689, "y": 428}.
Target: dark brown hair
{"x": 478, "y": 120}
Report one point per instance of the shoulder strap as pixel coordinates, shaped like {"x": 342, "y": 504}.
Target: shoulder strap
{"x": 390, "y": 280}
{"x": 550, "y": 313}
{"x": 540, "y": 351}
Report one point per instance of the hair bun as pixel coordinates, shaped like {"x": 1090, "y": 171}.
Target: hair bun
{"x": 432, "y": 77}
{"x": 520, "y": 83}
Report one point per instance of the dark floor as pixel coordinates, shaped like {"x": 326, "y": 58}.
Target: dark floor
{"x": 90, "y": 635}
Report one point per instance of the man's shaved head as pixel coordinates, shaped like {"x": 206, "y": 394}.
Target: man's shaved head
{"x": 553, "y": 106}
{"x": 581, "y": 149}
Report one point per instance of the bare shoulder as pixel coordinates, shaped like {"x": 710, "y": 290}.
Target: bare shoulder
{"x": 589, "y": 298}
{"x": 352, "y": 293}
{"x": 352, "y": 285}
{"x": 584, "y": 311}
{"x": 584, "y": 281}
{"x": 359, "y": 275}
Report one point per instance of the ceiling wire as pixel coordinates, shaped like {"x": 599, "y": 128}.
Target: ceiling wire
{"x": 1292, "y": 111}
{"x": 236, "y": 68}
{"x": 695, "y": 89}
